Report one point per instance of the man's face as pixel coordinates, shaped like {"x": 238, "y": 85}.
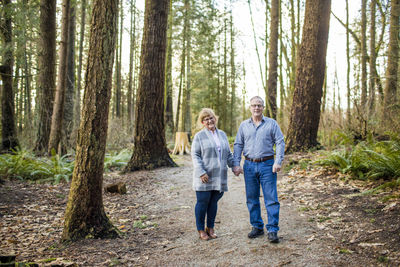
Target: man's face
{"x": 256, "y": 107}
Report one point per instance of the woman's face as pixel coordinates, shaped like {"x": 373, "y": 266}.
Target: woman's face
{"x": 209, "y": 122}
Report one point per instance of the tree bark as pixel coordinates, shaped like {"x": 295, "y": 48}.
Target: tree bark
{"x": 77, "y": 101}
{"x": 293, "y": 38}
{"x": 390, "y": 95}
{"x": 183, "y": 77}
{"x": 58, "y": 107}
{"x": 187, "y": 113}
{"x": 8, "y": 130}
{"x": 118, "y": 89}
{"x": 149, "y": 146}
{"x": 224, "y": 94}
{"x": 305, "y": 112}
{"x": 132, "y": 48}
{"x": 233, "y": 77}
{"x": 372, "y": 60}
{"x": 85, "y": 216}
{"x": 273, "y": 60}
{"x": 348, "y": 113}
{"x": 68, "y": 113}
{"x": 363, "y": 55}
{"x": 169, "y": 114}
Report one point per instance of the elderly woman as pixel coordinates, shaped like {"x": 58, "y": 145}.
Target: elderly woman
{"x": 210, "y": 154}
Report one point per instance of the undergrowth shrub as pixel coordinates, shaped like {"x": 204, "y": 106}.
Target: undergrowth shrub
{"x": 367, "y": 160}
{"x": 24, "y": 165}
{"x": 116, "y": 161}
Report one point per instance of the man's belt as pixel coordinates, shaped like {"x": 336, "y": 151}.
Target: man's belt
{"x": 260, "y": 159}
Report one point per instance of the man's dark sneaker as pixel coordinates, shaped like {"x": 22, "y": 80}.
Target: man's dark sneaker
{"x": 273, "y": 237}
{"x": 255, "y": 232}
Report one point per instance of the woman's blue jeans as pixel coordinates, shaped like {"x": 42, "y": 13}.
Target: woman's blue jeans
{"x": 258, "y": 174}
{"x": 206, "y": 204}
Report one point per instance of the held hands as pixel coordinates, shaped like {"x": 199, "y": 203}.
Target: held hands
{"x": 237, "y": 170}
{"x": 276, "y": 168}
{"x": 204, "y": 178}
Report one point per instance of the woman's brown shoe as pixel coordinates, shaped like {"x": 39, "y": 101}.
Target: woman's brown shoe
{"x": 211, "y": 233}
{"x": 203, "y": 235}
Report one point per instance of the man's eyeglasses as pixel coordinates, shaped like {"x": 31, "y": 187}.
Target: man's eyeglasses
{"x": 256, "y": 106}
{"x": 208, "y": 119}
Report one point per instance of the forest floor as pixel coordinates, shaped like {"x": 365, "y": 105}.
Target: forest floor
{"x": 324, "y": 221}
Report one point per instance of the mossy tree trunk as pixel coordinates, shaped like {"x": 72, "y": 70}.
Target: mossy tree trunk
{"x": 85, "y": 215}
{"x": 305, "y": 112}
{"x": 150, "y": 149}
{"x": 8, "y": 130}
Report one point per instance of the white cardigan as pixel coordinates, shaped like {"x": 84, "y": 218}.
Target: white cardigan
{"x": 205, "y": 157}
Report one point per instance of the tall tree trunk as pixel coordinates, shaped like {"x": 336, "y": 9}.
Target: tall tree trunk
{"x": 77, "y": 101}
{"x": 85, "y": 215}
{"x": 118, "y": 89}
{"x": 18, "y": 96}
{"x": 169, "y": 114}
{"x": 150, "y": 149}
{"x": 9, "y": 133}
{"x": 363, "y": 55}
{"x": 348, "y": 115}
{"x": 244, "y": 109}
{"x": 293, "y": 38}
{"x": 68, "y": 119}
{"x": 16, "y": 83}
{"x": 183, "y": 81}
{"x": 187, "y": 113}
{"x": 233, "y": 74}
{"x": 305, "y": 112}
{"x": 267, "y": 8}
{"x": 58, "y": 107}
{"x": 218, "y": 97}
{"x": 27, "y": 119}
{"x": 372, "y": 60}
{"x": 47, "y": 73}
{"x": 390, "y": 95}
{"x": 282, "y": 98}
{"x": 224, "y": 103}
{"x": 273, "y": 60}
{"x": 178, "y": 104}
{"x": 132, "y": 47}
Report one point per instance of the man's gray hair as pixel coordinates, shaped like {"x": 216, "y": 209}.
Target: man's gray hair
{"x": 259, "y": 98}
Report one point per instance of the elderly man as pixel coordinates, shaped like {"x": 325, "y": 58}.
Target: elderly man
{"x": 256, "y": 138}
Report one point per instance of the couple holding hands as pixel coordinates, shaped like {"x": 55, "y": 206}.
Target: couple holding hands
{"x": 211, "y": 157}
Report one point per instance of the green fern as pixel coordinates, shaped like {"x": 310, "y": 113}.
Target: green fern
{"x": 367, "y": 160}
{"x": 117, "y": 161}
{"x": 25, "y": 166}
{"x": 339, "y": 160}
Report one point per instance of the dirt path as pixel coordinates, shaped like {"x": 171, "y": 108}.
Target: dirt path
{"x": 156, "y": 218}
{"x": 233, "y": 248}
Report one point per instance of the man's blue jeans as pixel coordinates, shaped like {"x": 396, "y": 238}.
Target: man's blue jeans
{"x": 256, "y": 174}
{"x": 207, "y": 203}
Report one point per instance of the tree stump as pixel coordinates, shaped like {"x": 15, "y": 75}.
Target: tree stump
{"x": 181, "y": 143}
{"x": 119, "y": 188}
